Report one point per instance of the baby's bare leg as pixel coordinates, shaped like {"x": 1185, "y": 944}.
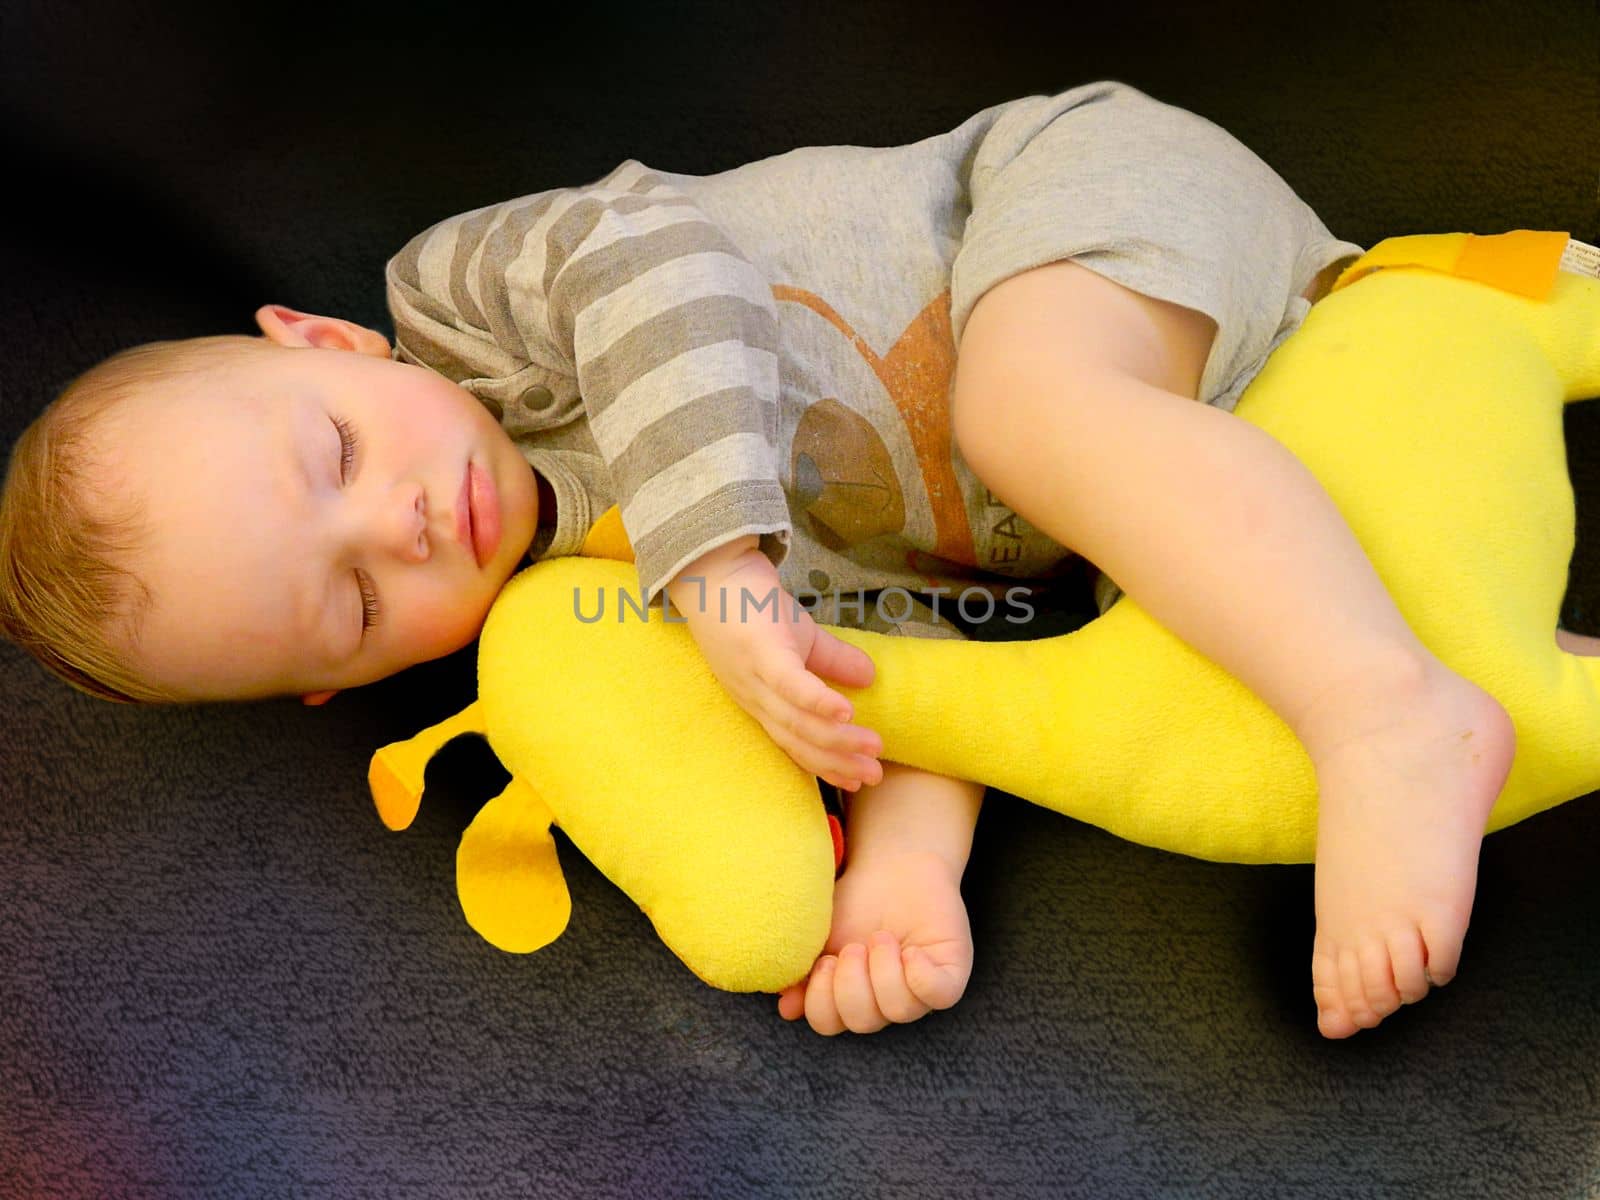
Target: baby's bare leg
{"x": 1074, "y": 403}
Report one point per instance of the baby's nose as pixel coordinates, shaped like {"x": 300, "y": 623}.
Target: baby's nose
{"x": 406, "y": 527}
{"x": 420, "y": 535}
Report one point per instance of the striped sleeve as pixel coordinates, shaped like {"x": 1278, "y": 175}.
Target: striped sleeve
{"x": 671, "y": 334}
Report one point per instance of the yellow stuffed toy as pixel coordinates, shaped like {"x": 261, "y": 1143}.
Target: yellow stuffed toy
{"x": 1425, "y": 392}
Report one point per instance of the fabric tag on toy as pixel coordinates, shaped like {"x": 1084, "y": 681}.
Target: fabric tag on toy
{"x": 1524, "y": 261}
{"x": 1581, "y": 258}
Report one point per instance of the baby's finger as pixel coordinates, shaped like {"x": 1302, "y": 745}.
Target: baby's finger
{"x": 792, "y": 1001}
{"x": 889, "y": 985}
{"x": 936, "y": 984}
{"x": 852, "y": 992}
{"x": 817, "y": 712}
{"x": 844, "y": 755}
{"x": 830, "y": 736}
{"x": 821, "y": 1012}
{"x": 836, "y": 659}
{"x": 842, "y": 770}
{"x": 786, "y": 675}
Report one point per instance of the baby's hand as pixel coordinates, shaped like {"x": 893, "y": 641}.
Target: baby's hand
{"x": 770, "y": 660}
{"x": 900, "y": 946}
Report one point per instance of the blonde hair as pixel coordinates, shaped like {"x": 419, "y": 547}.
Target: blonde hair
{"x": 65, "y": 598}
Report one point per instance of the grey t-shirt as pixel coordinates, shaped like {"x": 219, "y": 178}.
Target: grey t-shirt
{"x": 770, "y": 350}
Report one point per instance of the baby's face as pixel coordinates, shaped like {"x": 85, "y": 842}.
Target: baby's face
{"x": 291, "y": 557}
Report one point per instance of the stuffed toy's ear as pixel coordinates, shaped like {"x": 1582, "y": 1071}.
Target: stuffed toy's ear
{"x": 507, "y": 874}
{"x": 395, "y": 774}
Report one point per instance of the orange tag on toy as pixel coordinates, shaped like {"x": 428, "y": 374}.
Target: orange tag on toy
{"x": 1523, "y": 261}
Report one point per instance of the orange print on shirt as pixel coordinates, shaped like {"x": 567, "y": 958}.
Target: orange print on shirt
{"x": 916, "y": 374}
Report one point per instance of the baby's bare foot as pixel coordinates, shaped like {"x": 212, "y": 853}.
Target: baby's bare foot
{"x": 1405, "y": 783}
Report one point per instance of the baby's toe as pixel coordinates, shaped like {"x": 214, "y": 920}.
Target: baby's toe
{"x": 1441, "y": 940}
{"x": 1406, "y": 959}
{"x": 1336, "y": 1023}
{"x": 1355, "y": 988}
{"x": 1333, "y": 1016}
{"x": 1377, "y": 977}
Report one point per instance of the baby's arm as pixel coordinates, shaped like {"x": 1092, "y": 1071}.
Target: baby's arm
{"x": 900, "y": 944}
{"x": 772, "y": 657}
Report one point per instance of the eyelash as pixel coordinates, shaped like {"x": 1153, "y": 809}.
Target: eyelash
{"x": 347, "y": 446}
{"x": 347, "y": 456}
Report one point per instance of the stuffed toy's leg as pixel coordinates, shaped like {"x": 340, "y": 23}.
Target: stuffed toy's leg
{"x": 1430, "y": 408}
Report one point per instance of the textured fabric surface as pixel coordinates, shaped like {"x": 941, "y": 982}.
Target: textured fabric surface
{"x": 219, "y": 974}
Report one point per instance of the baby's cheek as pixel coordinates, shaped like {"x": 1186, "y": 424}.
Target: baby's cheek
{"x": 447, "y": 623}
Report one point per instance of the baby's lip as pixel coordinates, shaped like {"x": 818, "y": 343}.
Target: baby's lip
{"x": 484, "y": 505}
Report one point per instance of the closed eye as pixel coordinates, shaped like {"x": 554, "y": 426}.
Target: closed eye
{"x": 347, "y": 457}
{"x": 369, "y": 601}
{"x": 347, "y": 447}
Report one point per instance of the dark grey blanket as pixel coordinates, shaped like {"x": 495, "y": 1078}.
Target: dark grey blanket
{"x": 220, "y": 976}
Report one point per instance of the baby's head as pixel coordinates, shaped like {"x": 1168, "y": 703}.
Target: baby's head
{"x": 235, "y": 518}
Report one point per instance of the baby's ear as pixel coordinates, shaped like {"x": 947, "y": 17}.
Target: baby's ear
{"x": 288, "y": 327}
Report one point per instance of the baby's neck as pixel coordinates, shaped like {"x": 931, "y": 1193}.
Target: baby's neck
{"x": 546, "y": 501}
